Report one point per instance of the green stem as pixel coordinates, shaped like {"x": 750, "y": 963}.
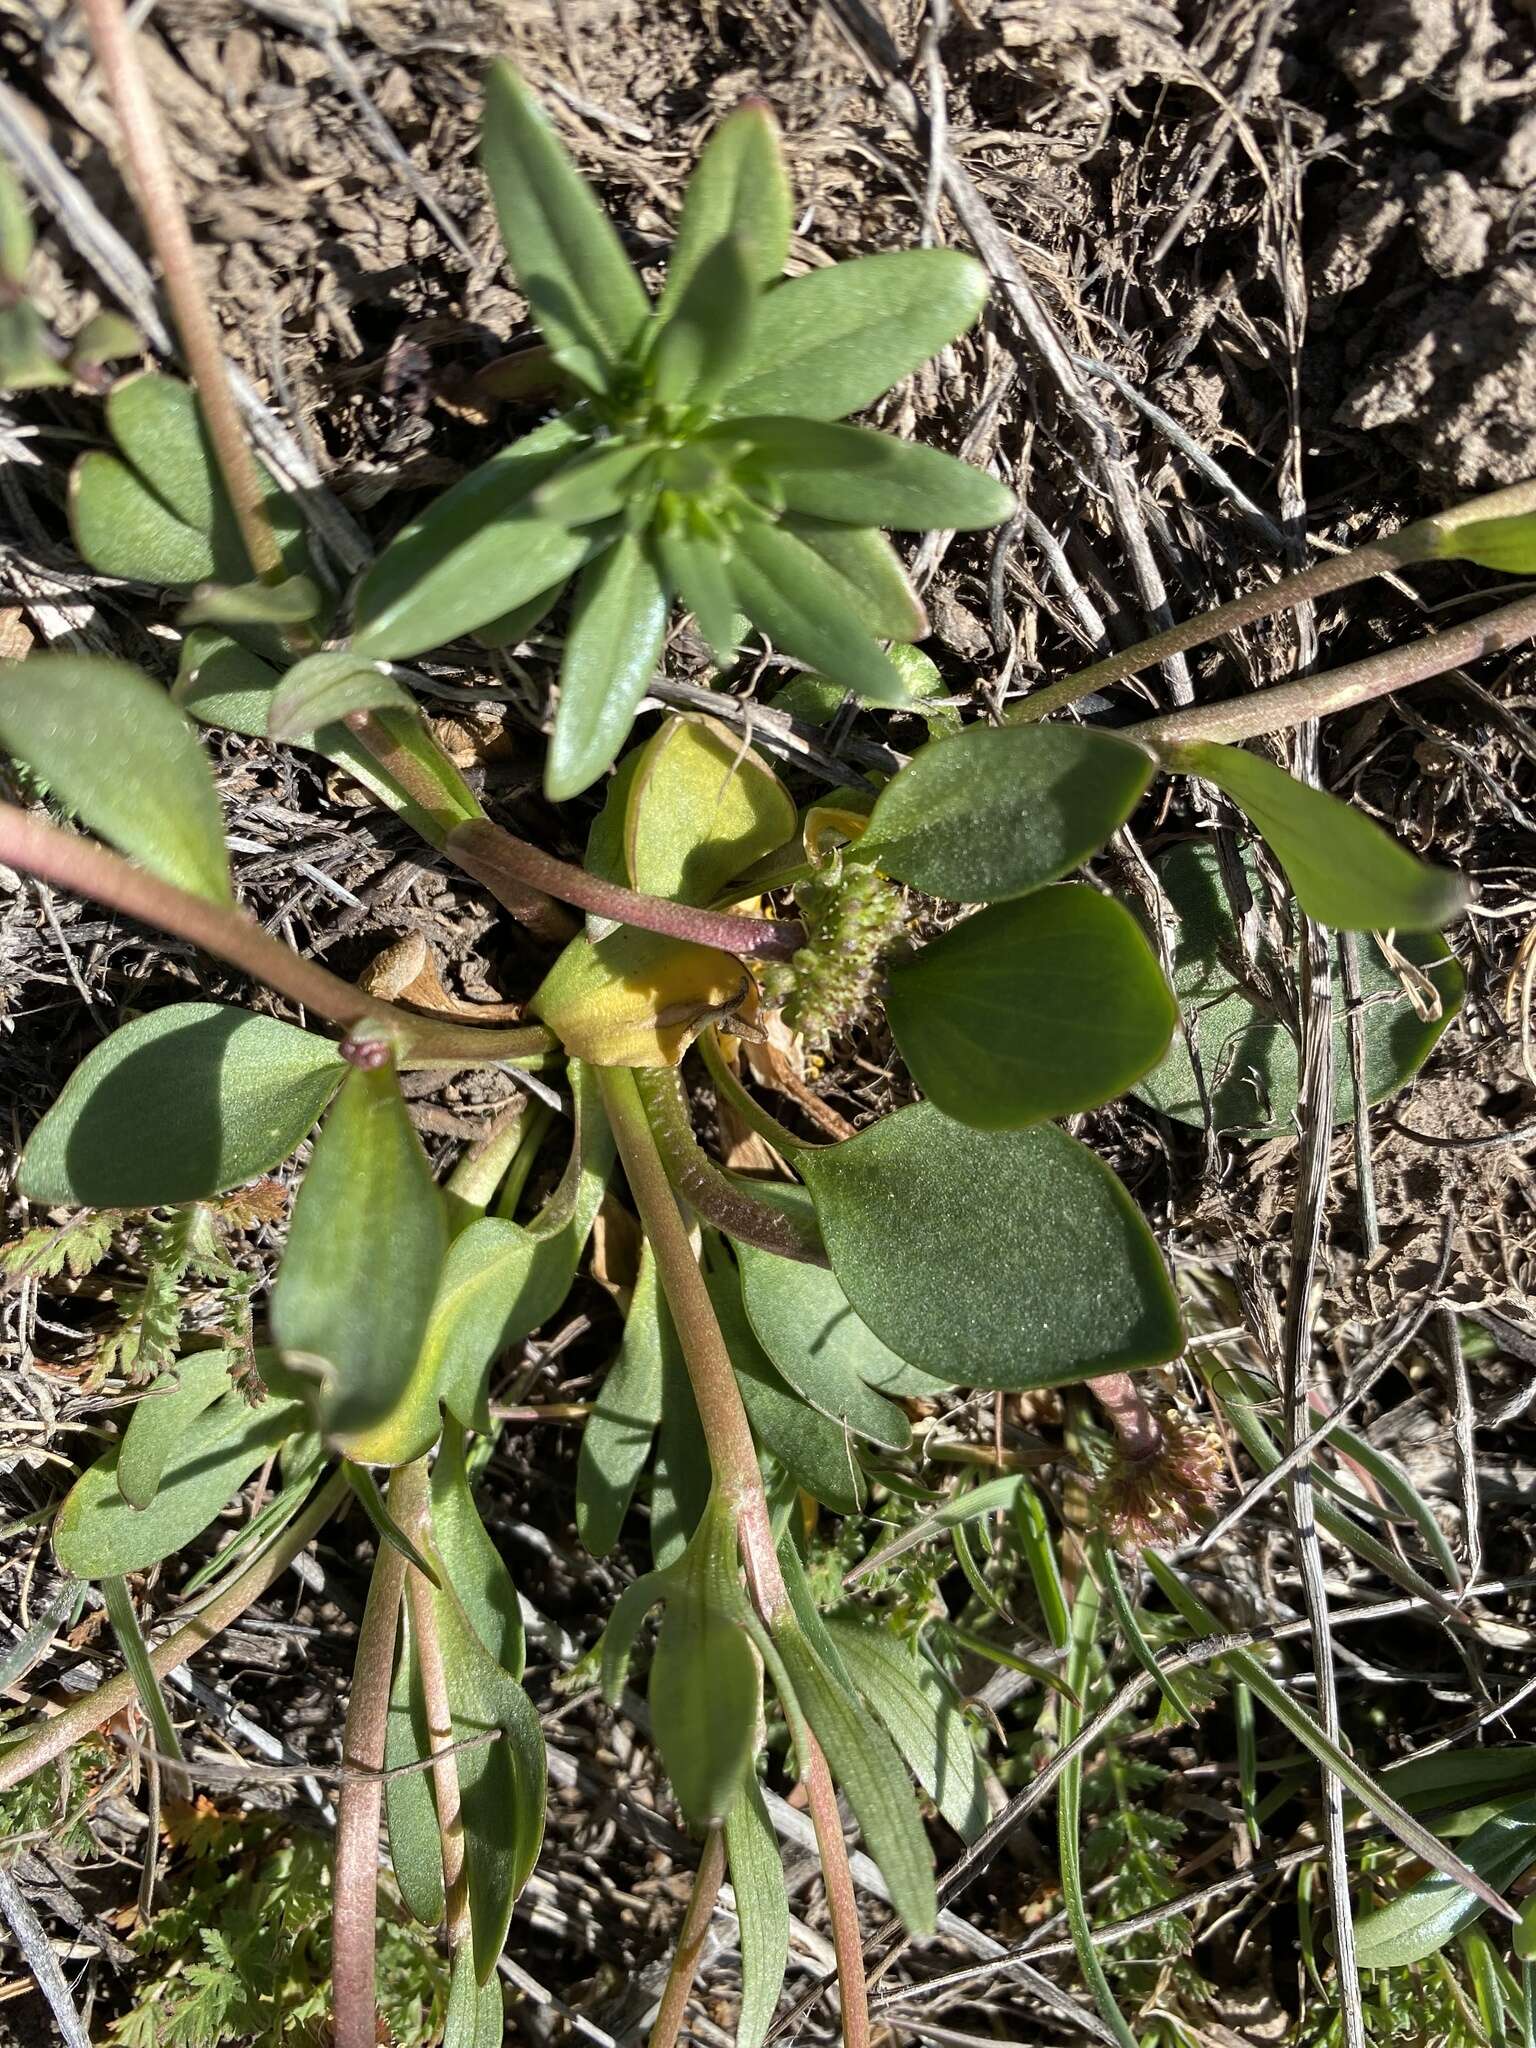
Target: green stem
{"x": 65, "y": 1730}
{"x": 80, "y": 865}
{"x": 509, "y": 867}
{"x": 354, "y": 1903}
{"x": 690, "y": 1942}
{"x": 1285, "y": 705}
{"x": 1420, "y": 542}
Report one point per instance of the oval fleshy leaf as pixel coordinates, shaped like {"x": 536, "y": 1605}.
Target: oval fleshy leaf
{"x": 162, "y": 1416}
{"x": 701, "y": 809}
{"x": 1031, "y": 1010}
{"x": 324, "y": 689}
{"x": 563, "y": 248}
{"x": 182, "y": 1104}
{"x": 1001, "y": 1258}
{"x": 112, "y": 746}
{"x": 738, "y": 188}
{"x": 1346, "y": 871}
{"x": 995, "y": 812}
{"x": 353, "y": 1295}
{"x": 1247, "y": 1053}
{"x": 831, "y": 342}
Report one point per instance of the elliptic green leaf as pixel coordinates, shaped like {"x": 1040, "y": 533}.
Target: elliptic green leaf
{"x": 1344, "y": 869}
{"x": 826, "y": 1352}
{"x": 762, "y": 1911}
{"x": 501, "y": 1784}
{"x": 920, "y": 1711}
{"x": 219, "y": 682}
{"x": 471, "y": 1560}
{"x": 594, "y": 483}
{"x": 29, "y": 358}
{"x": 815, "y": 1451}
{"x": 831, "y": 342}
{"x": 161, "y": 1418}
{"x": 293, "y": 601}
{"x": 620, "y": 1430}
{"x": 681, "y": 1481}
{"x": 472, "y": 554}
{"x": 702, "y": 808}
{"x": 563, "y": 249}
{"x": 704, "y": 337}
{"x": 98, "y": 1534}
{"x": 353, "y": 1295}
{"x": 611, "y": 650}
{"x": 738, "y": 188}
{"x": 995, "y": 812}
{"x": 998, "y": 1258}
{"x": 696, "y": 574}
{"x": 112, "y": 746}
{"x": 862, "y": 477}
{"x": 324, "y": 689}
{"x": 476, "y": 2015}
{"x": 865, "y": 1763}
{"x": 1248, "y": 1057}
{"x": 182, "y": 1104}
{"x": 878, "y": 586}
{"x": 705, "y": 1692}
{"x": 1031, "y": 1010}
{"x": 122, "y": 529}
{"x": 792, "y": 595}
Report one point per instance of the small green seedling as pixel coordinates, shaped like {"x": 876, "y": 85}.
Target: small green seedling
{"x": 777, "y": 1329}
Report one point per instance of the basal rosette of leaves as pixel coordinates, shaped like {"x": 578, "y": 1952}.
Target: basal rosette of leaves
{"x": 701, "y": 461}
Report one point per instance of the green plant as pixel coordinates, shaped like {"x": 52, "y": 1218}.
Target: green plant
{"x": 774, "y": 1327}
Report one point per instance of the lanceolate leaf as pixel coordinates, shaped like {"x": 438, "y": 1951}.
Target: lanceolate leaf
{"x": 567, "y": 258}
{"x": 476, "y": 2015}
{"x": 355, "y": 1289}
{"x": 326, "y": 688}
{"x": 762, "y": 1911}
{"x": 97, "y": 1534}
{"x": 162, "y": 1417}
{"x": 738, "y": 188}
{"x": 705, "y": 336}
{"x": 1420, "y": 1921}
{"x": 611, "y": 651}
{"x": 1000, "y": 1259}
{"x": 705, "y": 1692}
{"x": 473, "y": 554}
{"x": 619, "y": 1432}
{"x": 701, "y": 810}
{"x": 866, "y": 1765}
{"x": 1508, "y": 544}
{"x": 1344, "y": 869}
{"x": 865, "y": 478}
{"x": 787, "y": 590}
{"x": 1033, "y": 1009}
{"x": 831, "y": 342}
{"x": 995, "y": 812}
{"x": 696, "y": 575}
{"x": 471, "y": 1560}
{"x": 112, "y": 746}
{"x": 920, "y": 1712}
{"x": 410, "y": 1811}
{"x": 595, "y": 483}
{"x": 501, "y": 1784}
{"x": 877, "y": 584}
{"x": 182, "y": 1104}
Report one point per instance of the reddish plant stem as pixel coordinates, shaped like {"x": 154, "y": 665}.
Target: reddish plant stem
{"x": 739, "y": 1482}
{"x": 503, "y": 862}
{"x": 1285, "y": 705}
{"x": 53, "y": 1737}
{"x": 359, "y": 1806}
{"x": 87, "y": 869}
{"x": 1134, "y": 1421}
{"x": 154, "y": 186}
{"x": 410, "y": 1503}
{"x": 690, "y": 1942}
{"x": 1417, "y": 543}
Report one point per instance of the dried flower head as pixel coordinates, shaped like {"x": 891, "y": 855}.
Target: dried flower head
{"x": 1161, "y": 1497}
